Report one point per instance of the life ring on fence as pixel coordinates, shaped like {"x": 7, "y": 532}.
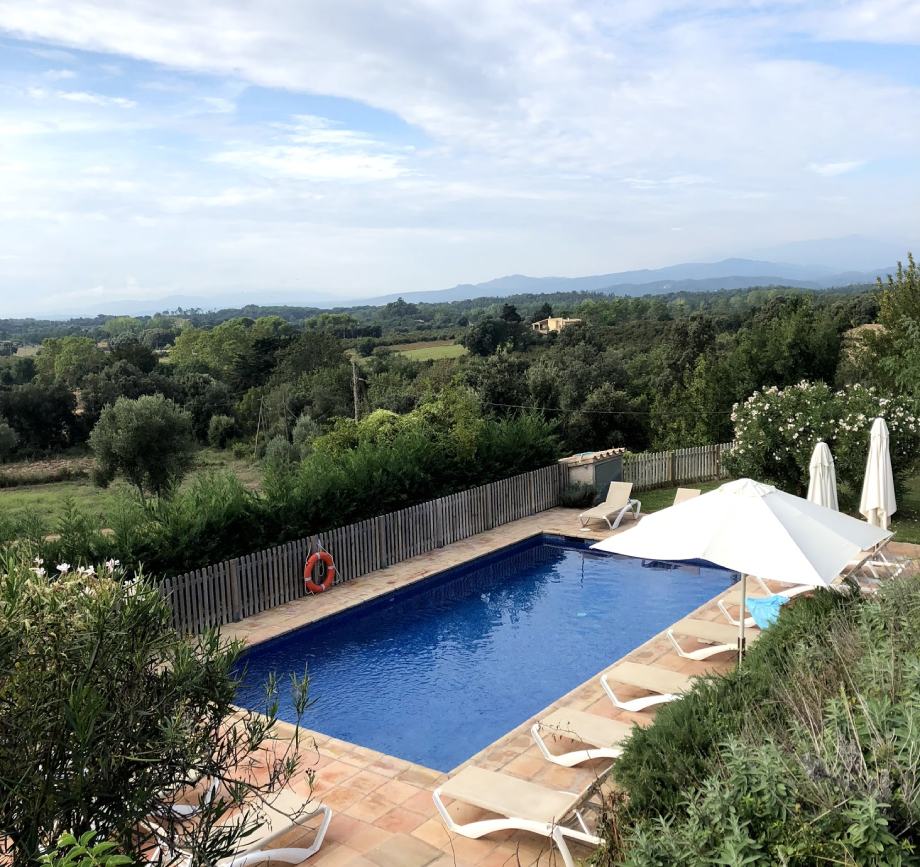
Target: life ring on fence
{"x": 325, "y": 558}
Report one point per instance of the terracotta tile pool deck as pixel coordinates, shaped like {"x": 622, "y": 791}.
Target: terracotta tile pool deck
{"x": 383, "y": 811}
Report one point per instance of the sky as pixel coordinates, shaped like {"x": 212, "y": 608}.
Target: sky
{"x": 329, "y": 149}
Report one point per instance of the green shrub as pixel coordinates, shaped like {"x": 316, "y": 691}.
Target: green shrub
{"x": 108, "y": 713}
{"x": 776, "y": 431}
{"x": 578, "y": 495}
{"x": 149, "y": 441}
{"x": 663, "y": 762}
{"x": 9, "y": 439}
{"x": 220, "y": 429}
{"x": 806, "y": 755}
{"x": 356, "y": 471}
{"x": 84, "y": 852}
{"x": 305, "y": 432}
{"x": 279, "y": 453}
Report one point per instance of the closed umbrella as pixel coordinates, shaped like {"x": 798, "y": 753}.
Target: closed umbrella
{"x": 877, "y": 503}
{"x": 822, "y": 480}
{"x": 753, "y": 529}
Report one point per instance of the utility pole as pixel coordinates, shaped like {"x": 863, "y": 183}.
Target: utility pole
{"x": 354, "y": 388}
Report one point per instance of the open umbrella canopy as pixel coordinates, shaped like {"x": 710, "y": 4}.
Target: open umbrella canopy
{"x": 822, "y": 479}
{"x": 754, "y": 529}
{"x": 877, "y": 502}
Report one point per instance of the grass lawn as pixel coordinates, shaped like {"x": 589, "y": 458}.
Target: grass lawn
{"x": 661, "y": 498}
{"x": 430, "y": 350}
{"x": 49, "y": 498}
{"x": 906, "y": 522}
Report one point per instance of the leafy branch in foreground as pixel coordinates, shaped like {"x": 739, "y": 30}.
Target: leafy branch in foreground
{"x": 112, "y": 723}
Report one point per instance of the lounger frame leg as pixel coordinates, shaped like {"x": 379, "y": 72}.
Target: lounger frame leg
{"x": 290, "y": 855}
{"x": 703, "y": 652}
{"x": 557, "y": 833}
{"x": 748, "y": 623}
{"x": 635, "y": 705}
{"x": 575, "y": 757}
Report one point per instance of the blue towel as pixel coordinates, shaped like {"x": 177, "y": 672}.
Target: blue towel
{"x": 766, "y": 609}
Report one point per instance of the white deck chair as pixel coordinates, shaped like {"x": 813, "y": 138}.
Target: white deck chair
{"x": 666, "y": 685}
{"x": 788, "y": 592}
{"x": 522, "y": 806}
{"x": 603, "y": 736}
{"x": 614, "y": 507}
{"x": 719, "y": 636}
{"x": 284, "y": 813}
{"x": 681, "y": 495}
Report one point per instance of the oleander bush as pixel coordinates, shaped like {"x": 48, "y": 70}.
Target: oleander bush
{"x": 108, "y": 715}
{"x": 776, "y": 431}
{"x": 808, "y": 754}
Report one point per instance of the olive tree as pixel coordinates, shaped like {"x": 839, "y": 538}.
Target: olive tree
{"x": 109, "y": 718}
{"x": 148, "y": 440}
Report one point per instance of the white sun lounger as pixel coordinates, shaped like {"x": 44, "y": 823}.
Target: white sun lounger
{"x": 719, "y": 636}
{"x": 788, "y": 592}
{"x": 522, "y": 806}
{"x": 614, "y": 507}
{"x": 282, "y": 814}
{"x": 666, "y": 685}
{"x": 681, "y": 495}
{"x": 603, "y": 736}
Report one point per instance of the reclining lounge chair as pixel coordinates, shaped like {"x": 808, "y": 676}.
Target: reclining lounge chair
{"x": 664, "y": 684}
{"x": 520, "y": 805}
{"x": 602, "y": 736}
{"x": 284, "y": 813}
{"x": 719, "y": 636}
{"x": 614, "y": 507}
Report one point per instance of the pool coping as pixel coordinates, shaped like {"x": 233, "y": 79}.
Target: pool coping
{"x": 439, "y": 573}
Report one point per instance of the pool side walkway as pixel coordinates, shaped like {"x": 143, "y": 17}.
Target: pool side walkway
{"x": 384, "y": 814}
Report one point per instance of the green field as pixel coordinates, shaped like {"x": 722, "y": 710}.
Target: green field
{"x": 432, "y": 350}
{"x": 49, "y": 498}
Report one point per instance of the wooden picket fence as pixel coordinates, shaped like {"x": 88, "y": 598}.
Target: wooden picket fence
{"x": 228, "y": 591}
{"x": 658, "y": 469}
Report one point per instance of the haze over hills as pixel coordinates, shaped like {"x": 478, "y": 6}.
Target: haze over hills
{"x": 690, "y": 276}
{"x": 816, "y": 264}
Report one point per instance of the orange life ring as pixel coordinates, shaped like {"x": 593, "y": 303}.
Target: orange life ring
{"x": 325, "y": 558}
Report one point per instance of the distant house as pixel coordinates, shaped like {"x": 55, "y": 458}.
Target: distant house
{"x": 554, "y": 323}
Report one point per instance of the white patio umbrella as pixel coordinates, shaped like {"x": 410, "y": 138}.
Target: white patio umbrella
{"x": 753, "y": 529}
{"x": 877, "y": 503}
{"x": 822, "y": 480}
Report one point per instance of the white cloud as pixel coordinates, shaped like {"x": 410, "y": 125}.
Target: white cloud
{"x": 82, "y": 96}
{"x": 313, "y": 149}
{"x": 59, "y": 74}
{"x": 832, "y": 169}
{"x": 557, "y": 137}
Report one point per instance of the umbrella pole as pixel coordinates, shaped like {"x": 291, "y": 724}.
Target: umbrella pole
{"x": 742, "y": 617}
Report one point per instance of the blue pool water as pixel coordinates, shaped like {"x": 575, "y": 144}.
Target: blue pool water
{"x": 435, "y": 672}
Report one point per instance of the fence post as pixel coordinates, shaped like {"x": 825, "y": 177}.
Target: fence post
{"x": 236, "y": 602}
{"x": 673, "y": 467}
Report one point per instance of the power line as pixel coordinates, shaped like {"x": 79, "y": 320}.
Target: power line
{"x": 605, "y": 411}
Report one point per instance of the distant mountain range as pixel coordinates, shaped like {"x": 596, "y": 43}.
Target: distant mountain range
{"x": 686, "y": 277}
{"x": 802, "y": 264}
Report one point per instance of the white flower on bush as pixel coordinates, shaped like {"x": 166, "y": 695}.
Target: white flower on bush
{"x": 39, "y": 571}
{"x": 112, "y": 565}
{"x": 86, "y": 571}
{"x": 131, "y": 587}
{"x": 63, "y": 568}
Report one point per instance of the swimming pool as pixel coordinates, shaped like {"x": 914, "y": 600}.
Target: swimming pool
{"x": 436, "y": 671}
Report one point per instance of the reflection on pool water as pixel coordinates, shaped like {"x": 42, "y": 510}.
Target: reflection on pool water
{"x": 434, "y": 672}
